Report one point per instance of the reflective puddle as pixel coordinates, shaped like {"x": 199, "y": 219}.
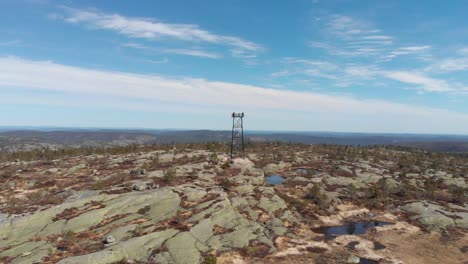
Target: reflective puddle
{"x": 301, "y": 171}
{"x": 367, "y": 261}
{"x": 306, "y": 171}
{"x": 350, "y": 228}
{"x": 274, "y": 179}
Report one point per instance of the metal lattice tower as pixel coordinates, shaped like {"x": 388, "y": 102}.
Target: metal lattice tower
{"x": 237, "y": 142}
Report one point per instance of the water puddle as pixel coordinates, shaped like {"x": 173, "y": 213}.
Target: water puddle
{"x": 367, "y": 261}
{"x": 302, "y": 171}
{"x": 378, "y": 245}
{"x": 274, "y": 179}
{"x": 350, "y": 228}
{"x": 306, "y": 171}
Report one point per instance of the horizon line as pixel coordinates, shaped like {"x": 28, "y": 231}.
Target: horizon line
{"x": 38, "y": 128}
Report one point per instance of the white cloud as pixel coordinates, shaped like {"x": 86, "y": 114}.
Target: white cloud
{"x": 280, "y": 73}
{"x": 161, "y": 61}
{"x": 134, "y": 45}
{"x": 425, "y": 83}
{"x": 196, "y": 94}
{"x": 449, "y": 65}
{"x": 195, "y": 53}
{"x": 347, "y": 27}
{"x": 315, "y": 63}
{"x": 413, "y": 50}
{"x": 377, "y": 37}
{"x": 363, "y": 72}
{"x": 351, "y": 37}
{"x": 346, "y": 74}
{"x": 188, "y": 52}
{"x": 320, "y": 45}
{"x": 314, "y": 68}
{"x": 340, "y": 74}
{"x": 146, "y": 28}
{"x": 370, "y": 42}
{"x": 454, "y": 64}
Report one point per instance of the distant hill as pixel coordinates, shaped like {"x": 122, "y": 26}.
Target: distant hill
{"x": 454, "y": 147}
{"x": 12, "y": 140}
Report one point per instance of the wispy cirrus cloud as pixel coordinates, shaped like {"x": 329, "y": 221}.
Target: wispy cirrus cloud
{"x": 340, "y": 74}
{"x": 195, "y": 53}
{"x": 161, "y": 61}
{"x": 425, "y": 83}
{"x": 348, "y": 27}
{"x": 347, "y": 74}
{"x": 120, "y": 89}
{"x": 463, "y": 51}
{"x": 10, "y": 43}
{"x": 451, "y": 64}
{"x": 311, "y": 68}
{"x": 187, "y": 52}
{"x": 150, "y": 29}
{"x": 415, "y": 50}
{"x": 362, "y": 72}
{"x": 362, "y": 52}
{"x": 377, "y": 37}
{"x": 351, "y": 37}
{"x": 135, "y": 45}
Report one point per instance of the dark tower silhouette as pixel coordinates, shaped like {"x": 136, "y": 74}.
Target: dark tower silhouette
{"x": 237, "y": 141}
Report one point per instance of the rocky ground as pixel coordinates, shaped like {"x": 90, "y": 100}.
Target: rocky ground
{"x": 195, "y": 205}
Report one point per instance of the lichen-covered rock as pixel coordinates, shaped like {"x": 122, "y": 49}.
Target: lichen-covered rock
{"x": 242, "y": 163}
{"x": 340, "y": 181}
{"x": 139, "y": 186}
{"x": 120, "y": 233}
{"x": 182, "y": 249}
{"x": 138, "y": 248}
{"x": 162, "y": 204}
{"x": 167, "y": 157}
{"x": 273, "y": 168}
{"x": 245, "y": 189}
{"x": 76, "y": 168}
{"x": 28, "y": 252}
{"x": 272, "y": 205}
{"x": 435, "y": 217}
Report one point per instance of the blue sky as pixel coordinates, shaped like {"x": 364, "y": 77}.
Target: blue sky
{"x": 352, "y": 66}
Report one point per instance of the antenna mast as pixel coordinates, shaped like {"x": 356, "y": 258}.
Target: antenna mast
{"x": 237, "y": 141}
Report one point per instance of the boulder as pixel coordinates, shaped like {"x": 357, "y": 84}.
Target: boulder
{"x": 76, "y": 168}
{"x": 109, "y": 240}
{"x": 242, "y": 163}
{"x": 340, "y": 181}
{"x": 139, "y": 186}
{"x": 353, "y": 259}
{"x": 274, "y": 168}
{"x": 167, "y": 157}
{"x": 138, "y": 172}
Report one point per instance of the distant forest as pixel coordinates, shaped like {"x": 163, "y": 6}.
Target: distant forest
{"x": 20, "y": 140}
